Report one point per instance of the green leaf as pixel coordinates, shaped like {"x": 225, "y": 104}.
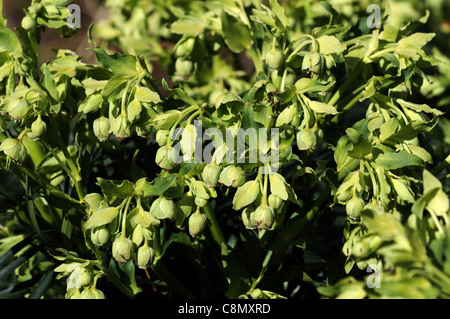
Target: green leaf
{"x": 403, "y": 191}
{"x": 117, "y": 63}
{"x": 329, "y": 44}
{"x": 236, "y": 34}
{"x": 9, "y": 41}
{"x": 278, "y": 186}
{"x": 144, "y": 94}
{"x": 102, "y": 217}
{"x": 246, "y": 194}
{"x": 116, "y": 189}
{"x": 279, "y": 14}
{"x": 419, "y": 107}
{"x": 92, "y": 103}
{"x": 187, "y": 27}
{"x": 320, "y": 107}
{"x": 392, "y": 160}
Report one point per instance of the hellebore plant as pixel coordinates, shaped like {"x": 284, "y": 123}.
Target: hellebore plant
{"x": 288, "y": 148}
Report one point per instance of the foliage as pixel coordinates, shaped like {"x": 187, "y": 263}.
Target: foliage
{"x": 93, "y": 204}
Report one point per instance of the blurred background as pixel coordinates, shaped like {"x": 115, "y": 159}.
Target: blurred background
{"x": 91, "y": 11}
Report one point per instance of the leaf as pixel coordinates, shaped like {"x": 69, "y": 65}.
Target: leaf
{"x": 278, "y": 186}
{"x": 9, "y": 41}
{"x": 49, "y": 83}
{"x": 320, "y": 107}
{"x": 236, "y": 34}
{"x": 329, "y": 44}
{"x": 42, "y": 285}
{"x": 158, "y": 186}
{"x": 419, "y": 107}
{"x": 246, "y": 194}
{"x": 421, "y": 152}
{"x": 392, "y": 160}
{"x": 102, "y": 217}
{"x": 91, "y": 104}
{"x": 403, "y": 191}
{"x": 388, "y": 128}
{"x": 187, "y": 27}
{"x": 279, "y": 13}
{"x": 144, "y": 94}
{"x": 117, "y": 63}
{"x": 116, "y": 189}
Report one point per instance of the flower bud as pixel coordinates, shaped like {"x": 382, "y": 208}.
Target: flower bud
{"x": 236, "y": 176}
{"x": 163, "y": 208}
{"x": 85, "y": 278}
{"x": 183, "y": 67}
{"x": 161, "y": 137}
{"x": 312, "y": 62}
{"x": 28, "y": 23}
{"x": 306, "y": 139}
{"x": 274, "y": 59}
{"x": 18, "y": 109}
{"x": 197, "y": 223}
{"x": 38, "y": 127}
{"x": 248, "y": 217}
{"x": 102, "y": 128}
{"x": 122, "y": 249}
{"x": 92, "y": 293}
{"x": 100, "y": 235}
{"x": 164, "y": 157}
{"x": 145, "y": 256}
{"x": 121, "y": 127}
{"x": 14, "y": 149}
{"x": 211, "y": 173}
{"x": 354, "y": 207}
{"x": 185, "y": 48}
{"x": 264, "y": 217}
{"x": 200, "y": 201}
{"x": 134, "y": 110}
{"x": 274, "y": 201}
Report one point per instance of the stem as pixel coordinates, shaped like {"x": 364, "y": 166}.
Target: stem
{"x": 124, "y": 217}
{"x": 70, "y": 162}
{"x": 127, "y": 291}
{"x": 215, "y": 227}
{"x": 350, "y": 80}
{"x": 60, "y": 162}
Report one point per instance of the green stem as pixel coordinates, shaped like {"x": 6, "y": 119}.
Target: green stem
{"x": 60, "y": 162}
{"x": 124, "y": 217}
{"x": 75, "y": 172}
{"x": 215, "y": 227}
{"x": 350, "y": 80}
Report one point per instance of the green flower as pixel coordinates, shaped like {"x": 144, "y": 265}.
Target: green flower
{"x": 102, "y": 128}
{"x": 14, "y": 149}
{"x": 92, "y": 293}
{"x": 197, "y": 223}
{"x": 211, "y": 173}
{"x": 100, "y": 235}
{"x": 38, "y": 127}
{"x": 122, "y": 249}
{"x": 274, "y": 59}
{"x": 264, "y": 217}
{"x": 313, "y": 62}
{"x": 163, "y": 208}
{"x": 145, "y": 256}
